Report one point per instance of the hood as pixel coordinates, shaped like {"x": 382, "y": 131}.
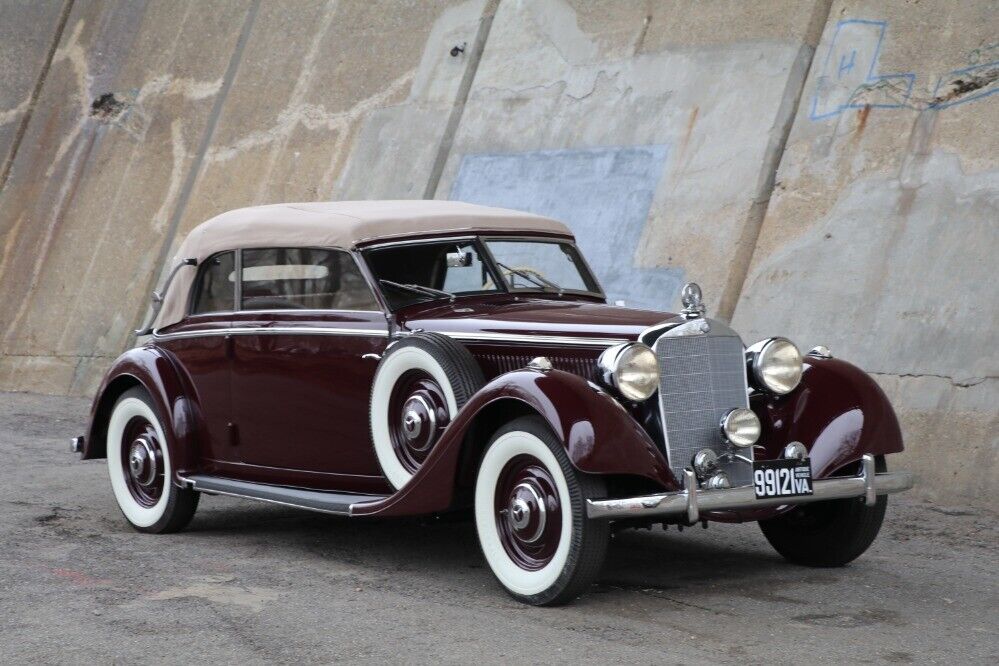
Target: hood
{"x": 531, "y": 316}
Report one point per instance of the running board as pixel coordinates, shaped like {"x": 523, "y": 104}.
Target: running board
{"x": 340, "y": 504}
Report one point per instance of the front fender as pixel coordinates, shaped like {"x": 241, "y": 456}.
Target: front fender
{"x": 152, "y": 369}
{"x": 600, "y": 437}
{"x": 838, "y": 412}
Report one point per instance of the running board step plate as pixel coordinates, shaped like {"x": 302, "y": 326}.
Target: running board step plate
{"x": 313, "y": 500}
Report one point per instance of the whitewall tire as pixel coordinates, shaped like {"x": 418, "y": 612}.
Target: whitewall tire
{"x": 530, "y": 515}
{"x": 419, "y": 386}
{"x": 140, "y": 469}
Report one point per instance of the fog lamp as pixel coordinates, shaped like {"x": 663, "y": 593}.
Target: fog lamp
{"x": 705, "y": 461}
{"x": 740, "y": 427}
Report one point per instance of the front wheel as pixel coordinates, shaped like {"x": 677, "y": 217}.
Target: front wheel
{"x": 530, "y": 514}
{"x": 140, "y": 468}
{"x": 827, "y": 534}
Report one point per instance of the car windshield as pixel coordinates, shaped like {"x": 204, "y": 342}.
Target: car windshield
{"x": 415, "y": 272}
{"x": 541, "y": 265}
{"x": 411, "y": 273}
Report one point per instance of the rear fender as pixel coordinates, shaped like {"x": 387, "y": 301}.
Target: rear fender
{"x": 600, "y": 437}
{"x": 838, "y": 412}
{"x": 152, "y": 369}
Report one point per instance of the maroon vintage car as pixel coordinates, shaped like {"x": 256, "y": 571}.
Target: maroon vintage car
{"x": 416, "y": 357}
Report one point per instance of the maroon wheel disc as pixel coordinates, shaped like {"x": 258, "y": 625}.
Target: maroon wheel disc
{"x": 528, "y": 512}
{"x": 417, "y": 414}
{"x": 142, "y": 461}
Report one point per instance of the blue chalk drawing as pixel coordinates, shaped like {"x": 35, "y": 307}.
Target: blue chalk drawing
{"x": 849, "y": 68}
{"x": 602, "y": 194}
{"x": 957, "y": 73}
{"x": 843, "y": 84}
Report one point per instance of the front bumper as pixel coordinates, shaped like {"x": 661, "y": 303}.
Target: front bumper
{"x": 694, "y": 501}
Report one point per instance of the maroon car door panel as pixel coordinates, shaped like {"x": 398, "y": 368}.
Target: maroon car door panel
{"x": 301, "y": 385}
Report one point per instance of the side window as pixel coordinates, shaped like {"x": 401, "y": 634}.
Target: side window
{"x": 303, "y": 278}
{"x": 215, "y": 290}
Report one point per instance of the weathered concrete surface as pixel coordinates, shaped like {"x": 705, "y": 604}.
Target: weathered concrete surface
{"x": 601, "y": 82}
{"x": 91, "y": 189}
{"x": 251, "y": 583}
{"x": 27, "y": 32}
{"x": 881, "y": 236}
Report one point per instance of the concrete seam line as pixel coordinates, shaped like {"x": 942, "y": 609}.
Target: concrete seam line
{"x": 779, "y": 133}
{"x": 36, "y": 92}
{"x": 199, "y": 157}
{"x": 464, "y": 88}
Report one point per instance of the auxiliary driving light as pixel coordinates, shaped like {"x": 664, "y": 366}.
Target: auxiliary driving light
{"x": 740, "y": 427}
{"x": 705, "y": 461}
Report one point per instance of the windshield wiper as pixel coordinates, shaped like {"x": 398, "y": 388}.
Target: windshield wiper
{"x": 418, "y": 289}
{"x": 533, "y": 278}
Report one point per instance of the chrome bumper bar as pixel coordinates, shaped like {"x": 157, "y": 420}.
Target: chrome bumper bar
{"x": 694, "y": 501}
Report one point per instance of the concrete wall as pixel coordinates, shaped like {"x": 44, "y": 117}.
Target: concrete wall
{"x": 881, "y": 236}
{"x": 814, "y": 165}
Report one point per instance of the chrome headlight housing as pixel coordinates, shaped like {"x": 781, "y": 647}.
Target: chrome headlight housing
{"x": 776, "y": 365}
{"x": 630, "y": 369}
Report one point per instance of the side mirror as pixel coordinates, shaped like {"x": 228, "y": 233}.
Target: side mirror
{"x": 459, "y": 259}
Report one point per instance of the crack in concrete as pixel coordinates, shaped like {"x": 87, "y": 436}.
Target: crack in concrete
{"x": 959, "y": 383}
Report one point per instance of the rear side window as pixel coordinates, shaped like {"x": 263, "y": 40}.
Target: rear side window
{"x": 303, "y": 278}
{"x": 216, "y": 288}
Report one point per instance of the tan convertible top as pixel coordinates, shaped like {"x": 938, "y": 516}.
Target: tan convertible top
{"x": 343, "y": 224}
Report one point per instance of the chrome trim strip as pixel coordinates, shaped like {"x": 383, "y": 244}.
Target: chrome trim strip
{"x": 192, "y": 482}
{"x": 527, "y": 338}
{"x": 693, "y": 501}
{"x": 270, "y": 330}
{"x": 457, "y": 335}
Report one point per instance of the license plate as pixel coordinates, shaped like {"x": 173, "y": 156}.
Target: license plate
{"x": 782, "y": 478}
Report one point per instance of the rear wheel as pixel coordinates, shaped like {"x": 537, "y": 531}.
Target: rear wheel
{"x": 827, "y": 534}
{"x": 530, "y": 514}
{"x": 140, "y": 469}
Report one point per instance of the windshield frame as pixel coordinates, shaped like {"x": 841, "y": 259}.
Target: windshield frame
{"x": 585, "y": 272}
{"x": 489, "y": 260}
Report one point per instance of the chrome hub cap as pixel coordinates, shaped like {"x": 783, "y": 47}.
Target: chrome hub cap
{"x": 417, "y": 414}
{"x": 527, "y": 513}
{"x": 142, "y": 462}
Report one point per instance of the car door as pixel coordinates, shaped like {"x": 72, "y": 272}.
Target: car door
{"x": 200, "y": 346}
{"x": 306, "y": 343}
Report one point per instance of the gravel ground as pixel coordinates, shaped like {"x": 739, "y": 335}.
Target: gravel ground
{"x": 257, "y": 583}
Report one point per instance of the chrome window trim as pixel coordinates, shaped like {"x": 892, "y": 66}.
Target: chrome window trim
{"x": 271, "y": 330}
{"x": 312, "y": 311}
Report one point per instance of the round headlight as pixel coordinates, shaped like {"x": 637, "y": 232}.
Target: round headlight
{"x": 630, "y": 369}
{"x": 740, "y": 427}
{"x": 777, "y": 365}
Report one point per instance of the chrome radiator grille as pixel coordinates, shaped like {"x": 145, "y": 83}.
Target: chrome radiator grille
{"x": 701, "y": 378}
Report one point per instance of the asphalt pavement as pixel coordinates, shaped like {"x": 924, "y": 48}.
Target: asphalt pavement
{"x": 255, "y": 583}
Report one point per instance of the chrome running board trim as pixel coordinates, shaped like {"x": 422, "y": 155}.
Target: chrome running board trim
{"x": 339, "y": 504}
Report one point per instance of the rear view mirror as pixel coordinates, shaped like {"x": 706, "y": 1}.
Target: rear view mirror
{"x": 459, "y": 259}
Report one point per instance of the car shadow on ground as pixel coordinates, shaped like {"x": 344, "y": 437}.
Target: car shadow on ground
{"x": 642, "y": 560}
